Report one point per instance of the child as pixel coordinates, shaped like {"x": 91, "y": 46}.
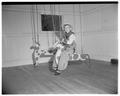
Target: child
{"x": 65, "y": 48}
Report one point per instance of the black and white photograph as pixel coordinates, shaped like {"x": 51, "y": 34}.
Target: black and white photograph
{"x": 59, "y": 47}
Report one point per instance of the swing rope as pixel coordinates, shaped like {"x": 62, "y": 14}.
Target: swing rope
{"x": 33, "y": 19}
{"x": 52, "y": 23}
{"x": 74, "y": 16}
{"x": 34, "y": 23}
{"x": 31, "y": 15}
{"x": 37, "y": 24}
{"x": 47, "y": 31}
{"x": 60, "y": 23}
{"x": 81, "y": 29}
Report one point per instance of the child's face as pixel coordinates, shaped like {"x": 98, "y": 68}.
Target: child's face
{"x": 67, "y": 29}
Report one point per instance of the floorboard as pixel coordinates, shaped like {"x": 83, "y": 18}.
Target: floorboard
{"x": 78, "y": 78}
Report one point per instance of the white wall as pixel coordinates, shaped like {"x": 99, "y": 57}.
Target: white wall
{"x": 99, "y": 27}
{"x": 16, "y": 28}
{"x": 100, "y": 32}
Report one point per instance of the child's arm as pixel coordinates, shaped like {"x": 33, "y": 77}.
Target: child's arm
{"x": 71, "y": 39}
{"x": 68, "y": 42}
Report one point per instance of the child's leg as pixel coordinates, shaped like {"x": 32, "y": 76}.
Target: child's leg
{"x": 58, "y": 53}
{"x": 56, "y": 59}
{"x": 63, "y": 62}
{"x": 54, "y": 65}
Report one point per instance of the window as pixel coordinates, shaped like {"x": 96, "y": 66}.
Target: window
{"x": 51, "y": 22}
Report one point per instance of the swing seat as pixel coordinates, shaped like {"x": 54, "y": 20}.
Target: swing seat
{"x": 84, "y": 58}
{"x": 37, "y": 54}
{"x": 45, "y": 55}
{"x": 77, "y": 56}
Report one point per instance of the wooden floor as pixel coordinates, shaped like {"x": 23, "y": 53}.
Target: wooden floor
{"x": 78, "y": 78}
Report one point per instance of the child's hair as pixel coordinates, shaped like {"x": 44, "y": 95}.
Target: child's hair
{"x": 67, "y": 25}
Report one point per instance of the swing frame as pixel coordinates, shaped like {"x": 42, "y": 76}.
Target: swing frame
{"x": 39, "y": 53}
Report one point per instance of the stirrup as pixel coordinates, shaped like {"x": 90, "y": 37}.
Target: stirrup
{"x": 55, "y": 68}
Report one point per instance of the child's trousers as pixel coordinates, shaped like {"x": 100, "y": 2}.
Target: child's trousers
{"x": 62, "y": 59}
